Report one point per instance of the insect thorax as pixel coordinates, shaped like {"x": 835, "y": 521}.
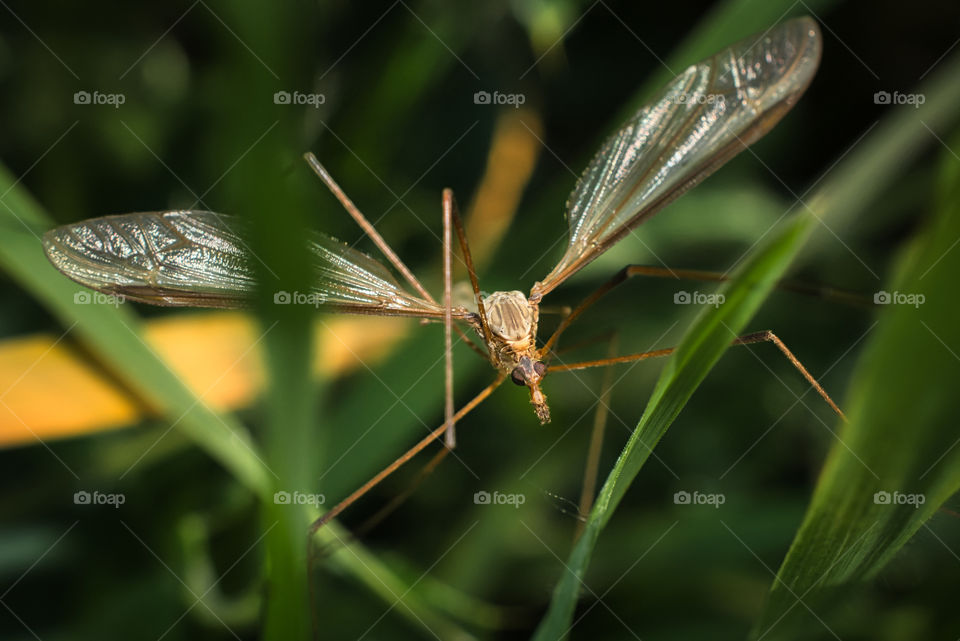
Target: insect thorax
{"x": 513, "y": 323}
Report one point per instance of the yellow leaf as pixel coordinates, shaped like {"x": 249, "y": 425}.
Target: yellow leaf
{"x": 51, "y": 389}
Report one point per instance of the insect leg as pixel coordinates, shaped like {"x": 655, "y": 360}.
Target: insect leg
{"x": 451, "y": 439}
{"x": 747, "y": 339}
{"x": 406, "y": 456}
{"x": 588, "y": 491}
{"x": 827, "y": 293}
{"x": 377, "y": 239}
{"x": 394, "y": 503}
{"x": 312, "y": 555}
{"x": 365, "y": 225}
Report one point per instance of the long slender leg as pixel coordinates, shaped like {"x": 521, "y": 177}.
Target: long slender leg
{"x": 596, "y": 442}
{"x": 629, "y": 271}
{"x": 400, "y": 498}
{"x": 406, "y": 456}
{"x": 377, "y": 239}
{"x": 384, "y": 473}
{"x": 451, "y": 439}
{"x": 365, "y": 224}
{"x": 747, "y": 339}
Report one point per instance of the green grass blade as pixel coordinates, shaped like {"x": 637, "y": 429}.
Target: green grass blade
{"x": 700, "y": 349}
{"x": 114, "y": 336}
{"x": 847, "y": 192}
{"x": 900, "y": 439}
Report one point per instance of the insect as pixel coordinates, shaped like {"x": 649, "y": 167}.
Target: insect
{"x": 699, "y": 121}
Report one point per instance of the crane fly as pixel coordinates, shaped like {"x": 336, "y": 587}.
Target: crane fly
{"x": 696, "y": 123}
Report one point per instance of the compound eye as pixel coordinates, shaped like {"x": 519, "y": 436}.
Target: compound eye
{"x": 540, "y": 368}
{"x": 517, "y": 377}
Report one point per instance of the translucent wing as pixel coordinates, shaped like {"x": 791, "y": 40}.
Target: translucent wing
{"x": 199, "y": 258}
{"x": 188, "y": 258}
{"x": 352, "y": 281}
{"x": 704, "y": 117}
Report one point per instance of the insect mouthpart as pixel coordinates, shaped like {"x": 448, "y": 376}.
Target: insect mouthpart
{"x": 529, "y": 373}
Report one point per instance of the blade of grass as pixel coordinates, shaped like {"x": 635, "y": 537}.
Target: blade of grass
{"x": 901, "y": 438}
{"x": 277, "y": 206}
{"x": 702, "y": 346}
{"x": 846, "y": 192}
{"x": 113, "y": 336}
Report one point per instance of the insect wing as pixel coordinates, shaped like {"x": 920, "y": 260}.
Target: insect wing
{"x": 200, "y": 259}
{"x": 174, "y": 258}
{"x": 351, "y": 281}
{"x": 704, "y": 117}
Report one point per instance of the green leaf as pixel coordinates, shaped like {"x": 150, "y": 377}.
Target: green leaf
{"x": 113, "y": 336}
{"x": 701, "y": 348}
{"x": 847, "y": 191}
{"x": 895, "y": 462}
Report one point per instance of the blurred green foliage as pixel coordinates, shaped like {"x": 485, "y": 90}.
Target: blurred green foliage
{"x": 199, "y": 127}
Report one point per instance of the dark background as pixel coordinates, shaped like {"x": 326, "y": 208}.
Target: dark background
{"x": 399, "y": 81}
